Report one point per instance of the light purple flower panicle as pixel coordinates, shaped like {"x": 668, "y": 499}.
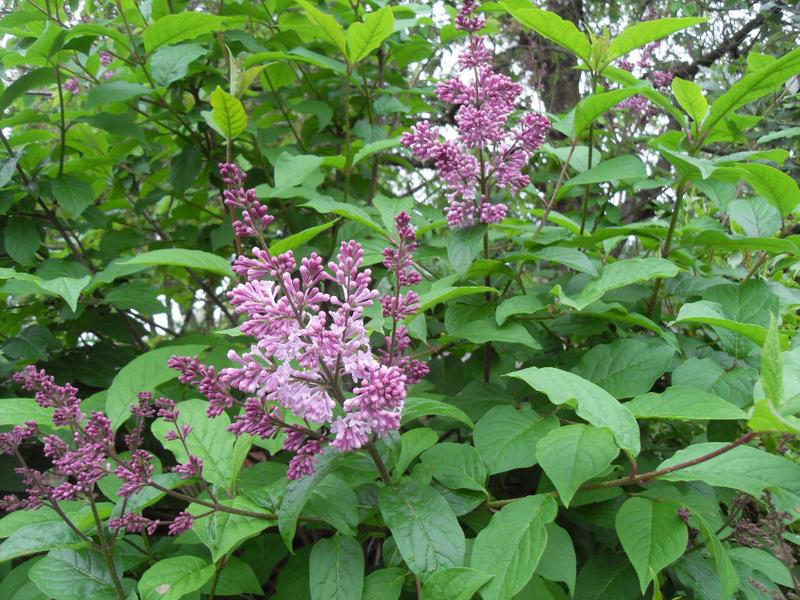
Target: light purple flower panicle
{"x": 311, "y": 372}
{"x": 488, "y": 153}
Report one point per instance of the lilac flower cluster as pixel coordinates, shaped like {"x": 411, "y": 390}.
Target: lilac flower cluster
{"x": 255, "y": 218}
{"x": 312, "y": 357}
{"x": 401, "y": 305}
{"x": 639, "y": 105}
{"x": 73, "y": 86}
{"x": 78, "y": 466}
{"x": 488, "y": 152}
{"x": 91, "y": 455}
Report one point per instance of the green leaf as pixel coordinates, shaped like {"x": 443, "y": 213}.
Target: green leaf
{"x": 228, "y": 113}
{"x": 8, "y": 169}
{"x": 764, "y": 562}
{"x": 769, "y": 412}
{"x": 590, "y": 402}
{"x": 327, "y": 27}
{"x": 518, "y": 305}
{"x": 34, "y": 79}
{"x": 574, "y": 454}
{"x": 726, "y": 571}
{"x": 14, "y": 411}
{"x": 550, "y": 25}
{"x": 68, "y": 288}
{"x": 606, "y": 575}
{"x": 209, "y": 440}
{"x": 363, "y": 38}
{"x": 115, "y": 91}
{"x": 34, "y": 342}
{"x": 620, "y": 168}
{"x": 173, "y": 578}
{"x": 336, "y": 569}
{"x": 717, "y": 239}
{"x": 652, "y": 535}
{"x": 16, "y": 585}
{"x": 463, "y": 246}
{"x": 21, "y": 239}
{"x": 423, "y": 526}
{"x": 753, "y": 86}
{"x": 171, "y": 63}
{"x": 121, "y": 125}
{"x": 511, "y": 546}
{"x": 620, "y": 274}
{"x": 690, "y": 96}
{"x": 711, "y": 313}
{"x": 334, "y": 501}
{"x": 326, "y": 205}
{"x": 38, "y": 537}
{"x": 74, "y": 575}
{"x": 558, "y": 562}
{"x": 185, "y": 168}
{"x": 625, "y": 367}
{"x": 755, "y": 217}
{"x": 743, "y": 468}
{"x": 506, "y": 436}
{"x": 541, "y": 589}
{"x": 384, "y": 584}
{"x": 415, "y": 408}
{"x": 789, "y": 132}
{"x": 456, "y": 466}
{"x": 182, "y": 257}
{"x": 412, "y": 444}
{"x": 438, "y": 295}
{"x": 136, "y": 295}
{"x": 642, "y": 33}
{"x": 778, "y": 188}
{"x": 375, "y": 147}
{"x": 571, "y": 257}
{"x": 296, "y": 240}
{"x": 143, "y": 374}
{"x": 689, "y": 166}
{"x": 297, "y": 494}
{"x": 478, "y": 325}
{"x": 589, "y": 109}
{"x": 455, "y": 583}
{"x": 73, "y": 193}
{"x": 237, "y": 578}
{"x": 294, "y": 169}
{"x": 188, "y": 25}
{"x": 683, "y": 403}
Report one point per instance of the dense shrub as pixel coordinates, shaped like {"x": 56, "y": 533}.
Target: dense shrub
{"x": 348, "y": 300}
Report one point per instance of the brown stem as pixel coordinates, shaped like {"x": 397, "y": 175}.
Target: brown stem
{"x": 376, "y": 457}
{"x": 756, "y": 266}
{"x": 107, "y": 551}
{"x": 645, "y": 478}
{"x": 551, "y": 203}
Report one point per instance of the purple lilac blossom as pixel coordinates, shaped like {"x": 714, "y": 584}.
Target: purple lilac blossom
{"x": 488, "y": 153}
{"x": 79, "y": 465}
{"x": 638, "y": 105}
{"x": 255, "y": 218}
{"x": 398, "y": 259}
{"x": 134, "y": 523}
{"x": 73, "y": 86}
{"x": 182, "y": 523}
{"x": 312, "y": 357}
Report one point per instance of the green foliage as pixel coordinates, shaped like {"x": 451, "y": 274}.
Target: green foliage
{"x": 652, "y": 535}
{"x": 614, "y": 389}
